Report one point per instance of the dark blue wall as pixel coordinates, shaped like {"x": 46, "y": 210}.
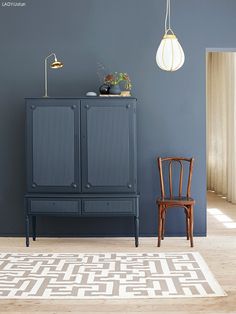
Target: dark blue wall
{"x": 124, "y": 36}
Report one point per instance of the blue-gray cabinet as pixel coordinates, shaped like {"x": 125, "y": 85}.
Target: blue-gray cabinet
{"x": 81, "y": 159}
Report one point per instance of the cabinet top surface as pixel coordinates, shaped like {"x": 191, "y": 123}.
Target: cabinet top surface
{"x": 83, "y": 195}
{"x": 84, "y": 97}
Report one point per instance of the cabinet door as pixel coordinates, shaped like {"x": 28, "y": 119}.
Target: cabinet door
{"x": 53, "y": 145}
{"x": 108, "y": 145}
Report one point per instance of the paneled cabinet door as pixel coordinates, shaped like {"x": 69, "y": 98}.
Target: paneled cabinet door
{"x": 108, "y": 130}
{"x": 53, "y": 143}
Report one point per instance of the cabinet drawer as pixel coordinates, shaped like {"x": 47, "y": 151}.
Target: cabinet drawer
{"x": 108, "y": 206}
{"x": 54, "y": 206}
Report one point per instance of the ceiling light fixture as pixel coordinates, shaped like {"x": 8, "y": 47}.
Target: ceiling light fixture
{"x": 170, "y": 55}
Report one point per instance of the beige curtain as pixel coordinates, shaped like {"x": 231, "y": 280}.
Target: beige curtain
{"x": 221, "y": 123}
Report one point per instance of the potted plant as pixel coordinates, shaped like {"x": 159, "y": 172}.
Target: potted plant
{"x": 114, "y": 80}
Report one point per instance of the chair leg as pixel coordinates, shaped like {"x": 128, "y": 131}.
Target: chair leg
{"x": 159, "y": 225}
{"x": 187, "y": 223}
{"x": 163, "y": 224}
{"x": 191, "y": 225}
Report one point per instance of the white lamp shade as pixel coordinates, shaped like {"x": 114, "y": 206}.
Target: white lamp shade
{"x": 170, "y": 55}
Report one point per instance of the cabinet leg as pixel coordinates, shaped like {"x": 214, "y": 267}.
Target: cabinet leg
{"x": 136, "y": 223}
{"x": 27, "y": 230}
{"x": 34, "y": 227}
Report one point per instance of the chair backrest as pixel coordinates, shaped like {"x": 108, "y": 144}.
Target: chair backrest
{"x": 175, "y": 160}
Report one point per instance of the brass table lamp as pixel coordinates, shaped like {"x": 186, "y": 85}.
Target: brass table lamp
{"x": 54, "y": 65}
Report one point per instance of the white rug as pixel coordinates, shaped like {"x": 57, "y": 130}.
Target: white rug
{"x": 105, "y": 275}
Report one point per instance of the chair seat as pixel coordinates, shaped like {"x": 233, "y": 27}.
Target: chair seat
{"x": 178, "y": 200}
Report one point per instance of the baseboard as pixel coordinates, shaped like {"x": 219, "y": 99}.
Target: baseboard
{"x": 92, "y": 235}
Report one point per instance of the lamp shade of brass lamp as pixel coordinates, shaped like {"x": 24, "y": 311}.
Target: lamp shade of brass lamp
{"x": 170, "y": 55}
{"x": 54, "y": 65}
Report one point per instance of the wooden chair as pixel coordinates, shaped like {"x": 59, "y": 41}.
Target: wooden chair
{"x": 175, "y": 201}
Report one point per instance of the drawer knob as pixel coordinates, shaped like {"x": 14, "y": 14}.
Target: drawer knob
{"x": 33, "y": 185}
{"x": 128, "y": 106}
{"x": 87, "y": 106}
{"x": 32, "y": 107}
{"x": 87, "y": 186}
{"x": 74, "y": 185}
{"x": 73, "y": 106}
{"x": 129, "y": 186}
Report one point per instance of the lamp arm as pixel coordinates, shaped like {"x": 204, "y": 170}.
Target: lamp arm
{"x": 46, "y": 72}
{"x": 52, "y": 54}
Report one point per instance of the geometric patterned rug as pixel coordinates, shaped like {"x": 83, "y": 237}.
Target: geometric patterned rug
{"x": 105, "y": 275}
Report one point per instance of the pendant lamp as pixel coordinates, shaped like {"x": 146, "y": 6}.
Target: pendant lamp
{"x": 170, "y": 55}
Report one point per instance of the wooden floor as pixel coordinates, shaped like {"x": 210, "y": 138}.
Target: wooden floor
{"x": 218, "y": 249}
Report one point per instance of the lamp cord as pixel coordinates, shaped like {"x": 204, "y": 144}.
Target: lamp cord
{"x": 167, "y": 18}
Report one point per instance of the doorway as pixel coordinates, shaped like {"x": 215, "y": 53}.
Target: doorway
{"x": 221, "y": 123}
{"x": 221, "y": 131}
